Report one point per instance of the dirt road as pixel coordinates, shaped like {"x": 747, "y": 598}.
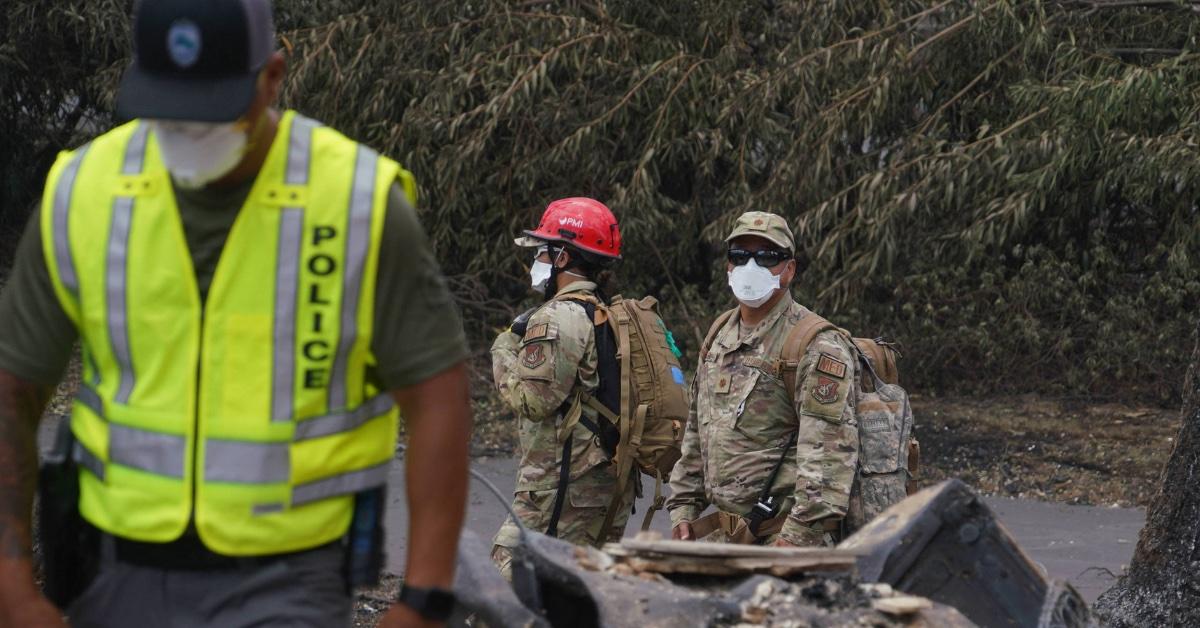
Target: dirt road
{"x": 1084, "y": 545}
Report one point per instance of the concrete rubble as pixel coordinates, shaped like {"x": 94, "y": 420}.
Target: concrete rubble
{"x": 940, "y": 558}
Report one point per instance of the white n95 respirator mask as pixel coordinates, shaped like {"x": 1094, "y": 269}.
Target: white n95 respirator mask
{"x": 752, "y": 284}
{"x": 198, "y": 153}
{"x": 539, "y": 272}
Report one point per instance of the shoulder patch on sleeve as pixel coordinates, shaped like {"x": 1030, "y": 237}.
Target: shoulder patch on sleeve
{"x": 534, "y": 356}
{"x": 830, "y": 365}
{"x": 540, "y": 331}
{"x": 825, "y": 390}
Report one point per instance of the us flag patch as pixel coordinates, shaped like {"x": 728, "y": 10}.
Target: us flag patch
{"x": 830, "y": 365}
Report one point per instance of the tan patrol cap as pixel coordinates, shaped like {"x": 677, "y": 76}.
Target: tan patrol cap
{"x": 773, "y": 227}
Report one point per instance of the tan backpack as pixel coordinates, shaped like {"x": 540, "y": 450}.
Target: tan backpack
{"x": 654, "y": 401}
{"x": 889, "y": 454}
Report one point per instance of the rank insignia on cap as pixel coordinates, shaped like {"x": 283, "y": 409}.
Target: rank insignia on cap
{"x": 825, "y": 391}
{"x": 830, "y": 365}
{"x": 535, "y": 356}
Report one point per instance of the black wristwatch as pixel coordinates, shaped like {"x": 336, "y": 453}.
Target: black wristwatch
{"x": 433, "y": 604}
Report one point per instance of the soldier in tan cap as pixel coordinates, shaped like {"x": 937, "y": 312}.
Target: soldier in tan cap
{"x": 771, "y": 443}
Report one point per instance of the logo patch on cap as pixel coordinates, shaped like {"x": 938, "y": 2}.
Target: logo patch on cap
{"x": 183, "y": 43}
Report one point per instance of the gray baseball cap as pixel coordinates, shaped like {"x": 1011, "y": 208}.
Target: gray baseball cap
{"x": 196, "y": 60}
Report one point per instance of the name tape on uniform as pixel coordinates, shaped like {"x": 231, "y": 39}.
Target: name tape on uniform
{"x": 830, "y": 365}
{"x": 541, "y": 331}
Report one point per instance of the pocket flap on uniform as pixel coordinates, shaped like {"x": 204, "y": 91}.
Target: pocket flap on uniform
{"x": 590, "y": 496}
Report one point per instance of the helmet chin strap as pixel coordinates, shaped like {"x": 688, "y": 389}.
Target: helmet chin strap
{"x": 552, "y": 282}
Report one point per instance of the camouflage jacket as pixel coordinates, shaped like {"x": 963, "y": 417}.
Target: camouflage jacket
{"x": 741, "y": 419}
{"x": 538, "y": 376}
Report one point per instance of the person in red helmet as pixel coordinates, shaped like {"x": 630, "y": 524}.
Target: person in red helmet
{"x": 549, "y": 356}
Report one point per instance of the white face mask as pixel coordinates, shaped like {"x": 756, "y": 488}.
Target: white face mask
{"x": 198, "y": 153}
{"x": 752, "y": 284}
{"x": 539, "y": 273}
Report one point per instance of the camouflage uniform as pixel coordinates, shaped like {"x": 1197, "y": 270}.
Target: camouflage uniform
{"x": 538, "y": 376}
{"x": 741, "y": 419}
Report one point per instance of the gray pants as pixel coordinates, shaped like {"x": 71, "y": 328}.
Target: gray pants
{"x": 305, "y": 589}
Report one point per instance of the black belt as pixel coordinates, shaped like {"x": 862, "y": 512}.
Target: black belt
{"x": 188, "y": 553}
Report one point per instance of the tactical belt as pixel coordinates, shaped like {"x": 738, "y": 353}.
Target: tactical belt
{"x": 188, "y": 553}
{"x": 737, "y": 528}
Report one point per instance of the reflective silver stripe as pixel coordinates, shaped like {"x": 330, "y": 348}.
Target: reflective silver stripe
{"x": 358, "y": 241}
{"x": 62, "y": 209}
{"x": 267, "y": 509}
{"x": 343, "y": 421}
{"x": 287, "y": 273}
{"x": 90, "y": 399}
{"x": 299, "y": 151}
{"x": 84, "y": 456}
{"x": 287, "y": 279}
{"x": 114, "y": 282}
{"x": 117, "y": 270}
{"x": 135, "y": 152}
{"x": 88, "y": 460}
{"x": 246, "y": 463}
{"x": 343, "y": 484}
{"x": 161, "y": 454}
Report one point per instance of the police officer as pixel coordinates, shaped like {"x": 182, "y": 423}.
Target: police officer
{"x": 541, "y": 366}
{"x": 253, "y": 297}
{"x": 745, "y": 437}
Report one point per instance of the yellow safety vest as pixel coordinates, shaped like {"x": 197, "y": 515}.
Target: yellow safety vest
{"x": 252, "y": 414}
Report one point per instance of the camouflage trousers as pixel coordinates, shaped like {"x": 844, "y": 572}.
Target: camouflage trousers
{"x": 583, "y": 513}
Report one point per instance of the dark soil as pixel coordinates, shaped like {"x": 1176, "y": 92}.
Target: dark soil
{"x": 1069, "y": 451}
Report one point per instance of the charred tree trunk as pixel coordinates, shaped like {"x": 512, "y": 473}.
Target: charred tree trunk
{"x": 1162, "y": 586}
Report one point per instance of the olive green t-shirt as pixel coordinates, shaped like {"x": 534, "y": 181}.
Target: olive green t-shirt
{"x": 418, "y": 332}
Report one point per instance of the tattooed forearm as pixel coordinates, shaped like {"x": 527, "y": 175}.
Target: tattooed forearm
{"x": 21, "y": 405}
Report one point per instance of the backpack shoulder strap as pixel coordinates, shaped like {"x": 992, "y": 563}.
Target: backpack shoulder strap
{"x": 595, "y": 308}
{"x": 712, "y": 332}
{"x": 796, "y": 343}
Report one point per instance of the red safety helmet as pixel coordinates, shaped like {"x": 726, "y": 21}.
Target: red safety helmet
{"x": 583, "y": 223}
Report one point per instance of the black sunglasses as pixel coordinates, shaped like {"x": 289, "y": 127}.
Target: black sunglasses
{"x": 767, "y": 258}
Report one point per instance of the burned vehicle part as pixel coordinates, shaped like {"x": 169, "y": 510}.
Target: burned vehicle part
{"x": 945, "y": 544}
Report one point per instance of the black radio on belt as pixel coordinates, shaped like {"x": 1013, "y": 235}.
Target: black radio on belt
{"x": 765, "y": 508}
